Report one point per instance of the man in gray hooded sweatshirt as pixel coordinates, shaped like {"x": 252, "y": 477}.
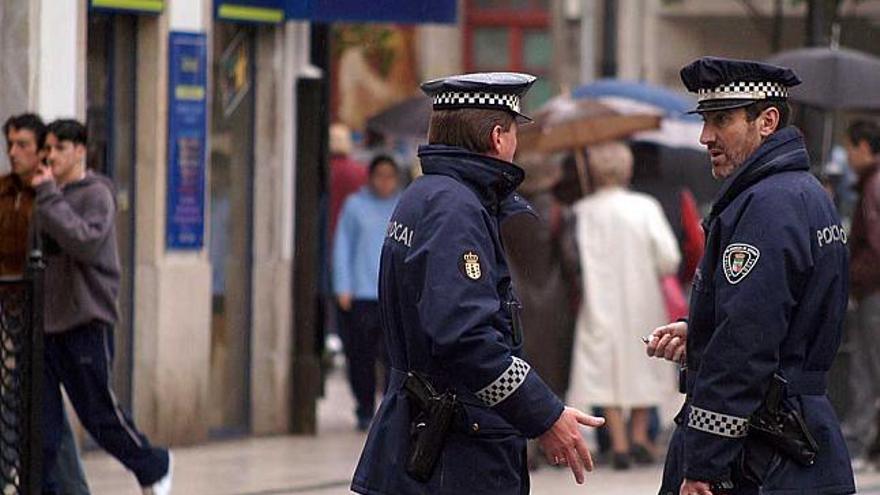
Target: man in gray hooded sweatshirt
{"x": 75, "y": 226}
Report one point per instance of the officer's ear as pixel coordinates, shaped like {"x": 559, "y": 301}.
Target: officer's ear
{"x": 497, "y": 140}
{"x": 768, "y": 121}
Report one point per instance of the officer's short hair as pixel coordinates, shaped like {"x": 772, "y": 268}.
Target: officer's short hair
{"x": 27, "y": 121}
{"x": 611, "y": 164}
{"x": 755, "y": 109}
{"x": 69, "y": 130}
{"x": 468, "y": 128}
{"x": 865, "y": 130}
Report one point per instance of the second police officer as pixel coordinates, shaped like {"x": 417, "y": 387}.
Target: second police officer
{"x": 462, "y": 400}
{"x": 767, "y": 307}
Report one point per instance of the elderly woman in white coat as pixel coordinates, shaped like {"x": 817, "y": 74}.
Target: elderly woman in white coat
{"x": 626, "y": 247}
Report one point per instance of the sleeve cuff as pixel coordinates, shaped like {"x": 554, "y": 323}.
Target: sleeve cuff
{"x": 709, "y": 456}
{"x": 533, "y": 408}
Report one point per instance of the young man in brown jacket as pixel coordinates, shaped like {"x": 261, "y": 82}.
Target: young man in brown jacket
{"x": 25, "y": 137}
{"x": 24, "y": 147}
{"x": 863, "y": 155}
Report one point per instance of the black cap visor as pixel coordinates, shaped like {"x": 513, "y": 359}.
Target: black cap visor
{"x": 523, "y": 119}
{"x": 718, "y": 105}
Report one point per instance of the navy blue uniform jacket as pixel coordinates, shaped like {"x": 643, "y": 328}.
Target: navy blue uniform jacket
{"x": 769, "y": 297}
{"x": 448, "y": 312}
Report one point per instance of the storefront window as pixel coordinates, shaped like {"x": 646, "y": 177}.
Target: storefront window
{"x": 110, "y": 119}
{"x": 231, "y": 208}
{"x": 537, "y": 49}
{"x": 511, "y": 35}
{"x": 491, "y": 48}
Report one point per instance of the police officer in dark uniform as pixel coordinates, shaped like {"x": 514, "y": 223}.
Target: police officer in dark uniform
{"x": 767, "y": 306}
{"x": 462, "y": 399}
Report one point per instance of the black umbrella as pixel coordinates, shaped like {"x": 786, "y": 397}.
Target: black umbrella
{"x": 409, "y": 118}
{"x": 834, "y": 78}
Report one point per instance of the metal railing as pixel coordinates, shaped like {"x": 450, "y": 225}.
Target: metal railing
{"x": 21, "y": 381}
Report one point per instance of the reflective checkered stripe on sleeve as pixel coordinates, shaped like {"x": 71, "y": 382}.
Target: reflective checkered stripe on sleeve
{"x": 506, "y": 384}
{"x": 718, "y": 424}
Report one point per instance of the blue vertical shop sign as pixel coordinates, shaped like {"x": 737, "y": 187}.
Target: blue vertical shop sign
{"x": 187, "y": 140}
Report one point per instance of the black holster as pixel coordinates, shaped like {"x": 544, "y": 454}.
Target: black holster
{"x": 782, "y": 428}
{"x": 431, "y": 420}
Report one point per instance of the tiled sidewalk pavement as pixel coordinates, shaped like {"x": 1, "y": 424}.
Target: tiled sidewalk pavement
{"x": 323, "y": 465}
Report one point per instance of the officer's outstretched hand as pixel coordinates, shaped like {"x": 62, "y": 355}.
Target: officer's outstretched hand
{"x": 669, "y": 342}
{"x": 564, "y": 444}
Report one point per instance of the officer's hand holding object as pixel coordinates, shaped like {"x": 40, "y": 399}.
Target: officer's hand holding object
{"x": 768, "y": 305}
{"x": 563, "y": 442}
{"x": 669, "y": 342}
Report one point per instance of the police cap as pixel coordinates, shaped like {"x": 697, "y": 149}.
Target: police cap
{"x": 488, "y": 90}
{"x": 723, "y": 83}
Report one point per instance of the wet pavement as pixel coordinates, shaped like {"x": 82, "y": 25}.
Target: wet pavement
{"x": 322, "y": 465}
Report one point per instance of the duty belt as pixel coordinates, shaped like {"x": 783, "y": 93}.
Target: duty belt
{"x": 398, "y": 378}
{"x": 803, "y": 383}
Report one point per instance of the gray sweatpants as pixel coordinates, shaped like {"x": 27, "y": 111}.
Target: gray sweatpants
{"x": 864, "y": 376}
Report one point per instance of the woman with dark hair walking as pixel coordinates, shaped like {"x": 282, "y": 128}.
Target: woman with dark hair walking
{"x": 356, "y": 250}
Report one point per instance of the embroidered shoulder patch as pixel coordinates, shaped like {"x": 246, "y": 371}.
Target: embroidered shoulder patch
{"x": 469, "y": 265}
{"x": 739, "y": 259}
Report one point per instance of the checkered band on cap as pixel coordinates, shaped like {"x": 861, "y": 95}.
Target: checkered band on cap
{"x": 465, "y": 99}
{"x": 506, "y": 384}
{"x": 718, "y": 424}
{"x": 744, "y": 91}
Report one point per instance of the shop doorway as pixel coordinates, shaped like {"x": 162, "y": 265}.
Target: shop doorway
{"x": 231, "y": 232}
{"x": 111, "y": 87}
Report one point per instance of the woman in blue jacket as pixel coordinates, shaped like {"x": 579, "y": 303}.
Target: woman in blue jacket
{"x": 356, "y": 251}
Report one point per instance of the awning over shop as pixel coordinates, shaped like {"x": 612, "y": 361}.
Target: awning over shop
{"x": 136, "y": 6}
{"x": 261, "y": 11}
{"x": 274, "y": 11}
{"x": 402, "y": 11}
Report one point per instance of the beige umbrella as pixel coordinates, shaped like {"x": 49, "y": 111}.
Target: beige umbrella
{"x": 564, "y": 123}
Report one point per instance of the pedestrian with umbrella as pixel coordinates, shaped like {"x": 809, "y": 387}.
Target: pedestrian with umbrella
{"x": 835, "y": 79}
